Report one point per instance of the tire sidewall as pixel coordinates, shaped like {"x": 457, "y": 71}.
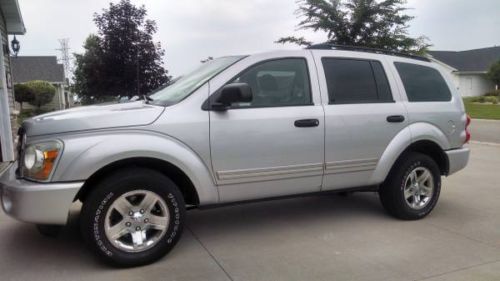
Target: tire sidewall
{"x": 99, "y": 202}
{"x": 407, "y": 168}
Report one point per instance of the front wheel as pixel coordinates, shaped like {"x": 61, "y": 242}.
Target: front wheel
{"x": 412, "y": 188}
{"x": 134, "y": 217}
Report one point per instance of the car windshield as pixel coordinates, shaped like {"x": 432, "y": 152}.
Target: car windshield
{"x": 185, "y": 85}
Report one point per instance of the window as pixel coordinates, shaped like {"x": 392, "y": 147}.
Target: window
{"x": 356, "y": 81}
{"x": 423, "y": 83}
{"x": 283, "y": 82}
{"x": 182, "y": 87}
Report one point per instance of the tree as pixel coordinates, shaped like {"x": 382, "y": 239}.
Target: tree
{"x": 122, "y": 59}
{"x": 367, "y": 23}
{"x": 88, "y": 71}
{"x": 23, "y": 93}
{"x": 43, "y": 92}
{"x": 494, "y": 74}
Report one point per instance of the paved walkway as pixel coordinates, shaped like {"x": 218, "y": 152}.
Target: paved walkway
{"x": 313, "y": 238}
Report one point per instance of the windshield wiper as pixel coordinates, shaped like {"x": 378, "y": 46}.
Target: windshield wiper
{"x": 147, "y": 98}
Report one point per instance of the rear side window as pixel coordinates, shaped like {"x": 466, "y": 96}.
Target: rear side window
{"x": 352, "y": 81}
{"x": 422, "y": 83}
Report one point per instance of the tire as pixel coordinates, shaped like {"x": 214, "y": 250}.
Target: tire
{"x": 405, "y": 195}
{"x": 51, "y": 231}
{"x": 150, "y": 229}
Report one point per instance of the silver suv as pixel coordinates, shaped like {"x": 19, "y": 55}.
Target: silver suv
{"x": 241, "y": 128}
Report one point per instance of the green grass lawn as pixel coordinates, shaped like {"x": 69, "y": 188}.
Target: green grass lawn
{"x": 482, "y": 111}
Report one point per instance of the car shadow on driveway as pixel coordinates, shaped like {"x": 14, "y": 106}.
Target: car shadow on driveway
{"x": 26, "y": 253}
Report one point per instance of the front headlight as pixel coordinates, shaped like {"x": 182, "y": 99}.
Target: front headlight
{"x": 40, "y": 159}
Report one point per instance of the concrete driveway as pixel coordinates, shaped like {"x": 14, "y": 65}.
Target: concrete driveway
{"x": 314, "y": 238}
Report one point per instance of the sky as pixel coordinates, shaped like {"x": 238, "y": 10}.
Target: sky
{"x": 192, "y": 30}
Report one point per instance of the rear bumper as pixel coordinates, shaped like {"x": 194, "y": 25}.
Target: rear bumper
{"x": 458, "y": 159}
{"x": 40, "y": 203}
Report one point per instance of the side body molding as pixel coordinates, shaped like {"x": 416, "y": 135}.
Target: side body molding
{"x": 87, "y": 154}
{"x": 411, "y": 134}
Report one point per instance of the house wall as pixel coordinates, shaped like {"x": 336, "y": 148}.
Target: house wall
{"x": 473, "y": 85}
{"x": 8, "y": 122}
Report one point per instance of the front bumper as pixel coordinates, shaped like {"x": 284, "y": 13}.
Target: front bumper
{"x": 457, "y": 159}
{"x": 40, "y": 203}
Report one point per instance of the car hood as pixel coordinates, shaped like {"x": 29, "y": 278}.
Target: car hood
{"x": 92, "y": 118}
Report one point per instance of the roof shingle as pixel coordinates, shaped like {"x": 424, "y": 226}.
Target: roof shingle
{"x": 471, "y": 60}
{"x": 28, "y": 68}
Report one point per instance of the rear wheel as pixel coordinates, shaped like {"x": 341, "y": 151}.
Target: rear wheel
{"x": 134, "y": 217}
{"x": 412, "y": 188}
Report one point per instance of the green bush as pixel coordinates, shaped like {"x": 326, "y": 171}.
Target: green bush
{"x": 481, "y": 99}
{"x": 470, "y": 99}
{"x": 23, "y": 93}
{"x": 43, "y": 91}
{"x": 495, "y": 93}
{"x": 28, "y": 113}
{"x": 491, "y": 100}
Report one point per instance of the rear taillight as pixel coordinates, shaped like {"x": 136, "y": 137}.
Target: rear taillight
{"x": 467, "y": 132}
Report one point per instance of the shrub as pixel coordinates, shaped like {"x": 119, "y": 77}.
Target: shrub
{"x": 491, "y": 99}
{"x": 470, "y": 99}
{"x": 481, "y": 99}
{"x": 23, "y": 93}
{"x": 495, "y": 93}
{"x": 43, "y": 92}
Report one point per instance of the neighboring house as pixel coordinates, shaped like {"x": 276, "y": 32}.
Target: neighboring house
{"x": 469, "y": 68}
{"x": 46, "y": 68}
{"x": 11, "y": 22}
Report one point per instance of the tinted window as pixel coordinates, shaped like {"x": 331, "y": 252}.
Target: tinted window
{"x": 423, "y": 83}
{"x": 356, "y": 81}
{"x": 283, "y": 82}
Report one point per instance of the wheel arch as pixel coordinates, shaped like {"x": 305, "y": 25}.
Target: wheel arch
{"x": 87, "y": 158}
{"x": 403, "y": 143}
{"x": 179, "y": 177}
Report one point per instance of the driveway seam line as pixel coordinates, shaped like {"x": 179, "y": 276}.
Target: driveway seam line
{"x": 210, "y": 254}
{"x": 463, "y": 235}
{"x": 458, "y": 270}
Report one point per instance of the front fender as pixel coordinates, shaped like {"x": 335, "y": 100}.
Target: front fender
{"x": 84, "y": 155}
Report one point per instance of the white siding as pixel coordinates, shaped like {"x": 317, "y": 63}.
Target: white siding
{"x": 473, "y": 85}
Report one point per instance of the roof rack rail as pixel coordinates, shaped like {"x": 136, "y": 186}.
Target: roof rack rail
{"x": 328, "y": 46}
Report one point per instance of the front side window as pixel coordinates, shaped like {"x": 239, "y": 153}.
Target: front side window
{"x": 423, "y": 83}
{"x": 354, "y": 81}
{"x": 282, "y": 82}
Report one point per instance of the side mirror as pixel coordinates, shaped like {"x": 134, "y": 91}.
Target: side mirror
{"x": 232, "y": 93}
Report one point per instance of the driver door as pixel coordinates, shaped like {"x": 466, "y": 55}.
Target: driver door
{"x": 273, "y": 145}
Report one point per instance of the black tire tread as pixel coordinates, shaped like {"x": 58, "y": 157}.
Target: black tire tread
{"x": 102, "y": 189}
{"x": 390, "y": 193}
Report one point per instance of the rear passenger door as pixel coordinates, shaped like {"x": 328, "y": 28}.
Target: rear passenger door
{"x": 363, "y": 113}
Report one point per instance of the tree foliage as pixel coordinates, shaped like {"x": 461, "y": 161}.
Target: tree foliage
{"x": 494, "y": 73}
{"x": 87, "y": 74}
{"x": 43, "y": 92}
{"x": 121, "y": 59}
{"x": 367, "y": 23}
{"x": 23, "y": 93}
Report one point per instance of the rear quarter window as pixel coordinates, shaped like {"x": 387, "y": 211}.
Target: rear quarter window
{"x": 423, "y": 83}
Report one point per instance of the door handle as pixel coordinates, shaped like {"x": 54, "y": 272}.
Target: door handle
{"x": 304, "y": 123}
{"x": 395, "y": 119}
